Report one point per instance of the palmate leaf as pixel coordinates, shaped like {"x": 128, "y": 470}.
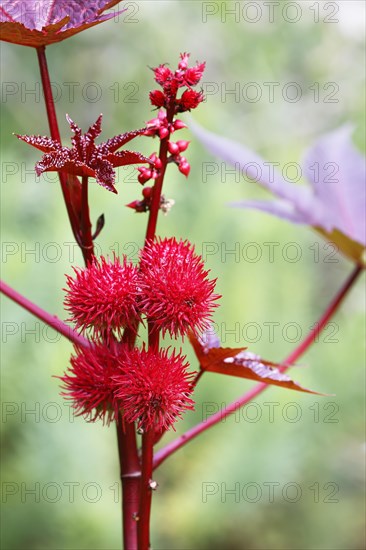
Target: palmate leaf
{"x": 334, "y": 202}
{"x": 241, "y": 363}
{"x": 38, "y": 23}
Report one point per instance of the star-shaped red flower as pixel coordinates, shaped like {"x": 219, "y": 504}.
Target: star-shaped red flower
{"x": 85, "y": 158}
{"x": 35, "y": 23}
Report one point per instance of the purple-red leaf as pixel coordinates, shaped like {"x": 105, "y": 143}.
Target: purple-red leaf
{"x": 39, "y": 23}
{"x": 114, "y": 143}
{"x": 334, "y": 203}
{"x": 241, "y": 363}
{"x": 85, "y": 158}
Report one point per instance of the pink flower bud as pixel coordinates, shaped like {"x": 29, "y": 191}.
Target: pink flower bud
{"x": 173, "y": 148}
{"x": 158, "y": 163}
{"x": 179, "y": 124}
{"x": 183, "y": 145}
{"x": 144, "y": 176}
{"x": 163, "y": 133}
{"x": 184, "y": 168}
{"x": 147, "y": 192}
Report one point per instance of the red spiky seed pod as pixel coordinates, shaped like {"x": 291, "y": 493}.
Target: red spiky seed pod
{"x": 174, "y": 291}
{"x": 102, "y": 296}
{"x": 153, "y": 388}
{"x": 89, "y": 385}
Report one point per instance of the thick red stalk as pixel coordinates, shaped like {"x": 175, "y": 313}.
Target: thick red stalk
{"x": 85, "y": 226}
{"x": 47, "y": 318}
{"x": 55, "y": 134}
{"x": 172, "y": 447}
{"x": 132, "y": 486}
{"x": 153, "y": 337}
{"x": 130, "y": 478}
{"x": 130, "y": 467}
{"x": 146, "y": 489}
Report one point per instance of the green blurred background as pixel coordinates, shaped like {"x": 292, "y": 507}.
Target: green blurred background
{"x": 311, "y": 449}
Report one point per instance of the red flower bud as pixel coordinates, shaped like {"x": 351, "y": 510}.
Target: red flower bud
{"x": 163, "y": 133}
{"x": 184, "y": 168}
{"x": 179, "y": 124}
{"x": 173, "y": 148}
{"x": 147, "y": 192}
{"x": 183, "y": 145}
{"x": 158, "y": 163}
{"x": 162, "y": 74}
{"x": 190, "y": 100}
{"x": 144, "y": 176}
{"x": 194, "y": 74}
{"x": 138, "y": 206}
{"x": 183, "y": 64}
{"x": 157, "y": 98}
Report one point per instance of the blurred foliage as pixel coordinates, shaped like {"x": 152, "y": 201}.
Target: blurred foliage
{"x": 325, "y": 445}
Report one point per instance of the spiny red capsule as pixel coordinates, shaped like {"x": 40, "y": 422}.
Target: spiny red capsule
{"x": 88, "y": 382}
{"x": 153, "y": 389}
{"x": 175, "y": 292}
{"x": 102, "y": 296}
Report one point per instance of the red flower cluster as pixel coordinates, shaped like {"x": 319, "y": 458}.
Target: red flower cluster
{"x": 102, "y": 296}
{"x": 175, "y": 292}
{"x": 169, "y": 105}
{"x": 150, "y": 388}
{"x": 171, "y": 81}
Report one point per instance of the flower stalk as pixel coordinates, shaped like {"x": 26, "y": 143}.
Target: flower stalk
{"x": 146, "y": 489}
{"x": 130, "y": 477}
{"x": 55, "y": 134}
{"x": 85, "y": 226}
{"x": 158, "y": 186}
{"x": 51, "y": 320}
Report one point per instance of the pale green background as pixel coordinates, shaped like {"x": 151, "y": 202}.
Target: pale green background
{"x": 240, "y": 451}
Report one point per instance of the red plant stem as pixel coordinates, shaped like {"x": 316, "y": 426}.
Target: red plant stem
{"x": 85, "y": 226}
{"x": 172, "y": 447}
{"x": 197, "y": 378}
{"x": 153, "y": 337}
{"x": 55, "y": 134}
{"x": 157, "y": 189}
{"x": 130, "y": 478}
{"x": 129, "y": 487}
{"x": 132, "y": 488}
{"x": 47, "y": 318}
{"x": 146, "y": 490}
